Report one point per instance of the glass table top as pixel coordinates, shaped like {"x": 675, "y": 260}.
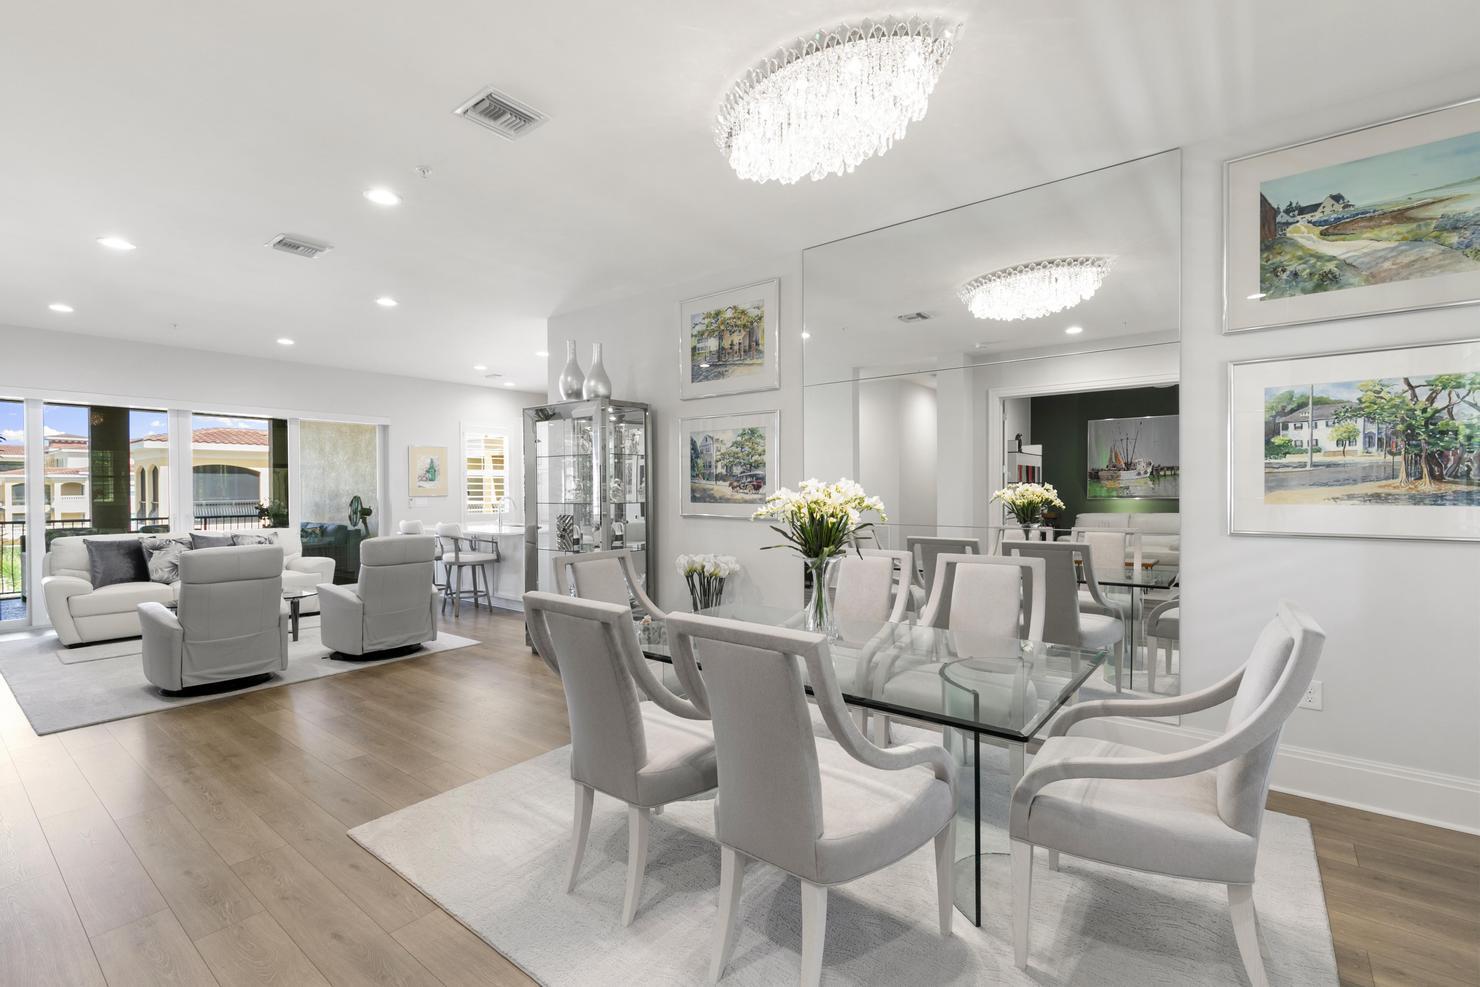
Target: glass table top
{"x": 1146, "y": 577}
{"x": 1000, "y": 686}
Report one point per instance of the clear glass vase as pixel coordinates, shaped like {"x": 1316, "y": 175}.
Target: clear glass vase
{"x": 820, "y": 618}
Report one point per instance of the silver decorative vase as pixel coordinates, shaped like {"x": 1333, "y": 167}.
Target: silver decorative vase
{"x": 571, "y": 378}
{"x": 598, "y": 384}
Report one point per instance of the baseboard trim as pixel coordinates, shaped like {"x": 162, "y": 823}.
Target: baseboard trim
{"x": 1447, "y": 801}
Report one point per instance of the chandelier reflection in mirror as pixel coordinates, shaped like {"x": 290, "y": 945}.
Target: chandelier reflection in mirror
{"x": 828, "y": 102}
{"x": 1031, "y": 291}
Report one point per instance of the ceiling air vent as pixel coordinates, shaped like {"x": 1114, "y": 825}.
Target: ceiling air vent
{"x": 507, "y": 117}
{"x": 300, "y": 246}
{"x": 913, "y": 317}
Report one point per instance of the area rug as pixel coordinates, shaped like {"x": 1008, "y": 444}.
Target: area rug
{"x": 106, "y": 681}
{"x": 132, "y": 646}
{"x": 493, "y": 854}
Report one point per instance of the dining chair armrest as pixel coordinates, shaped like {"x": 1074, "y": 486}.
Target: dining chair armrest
{"x": 650, "y": 684}
{"x": 1193, "y": 702}
{"x": 1165, "y": 606}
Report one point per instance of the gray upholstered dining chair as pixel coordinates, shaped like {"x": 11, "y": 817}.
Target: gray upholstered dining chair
{"x": 611, "y": 577}
{"x": 1193, "y": 815}
{"x": 828, "y": 811}
{"x": 1112, "y": 550}
{"x": 872, "y": 585}
{"x": 927, "y": 548}
{"x": 230, "y": 622}
{"x": 1064, "y": 622}
{"x": 1163, "y": 631}
{"x": 458, "y": 553}
{"x": 393, "y": 604}
{"x": 645, "y": 754}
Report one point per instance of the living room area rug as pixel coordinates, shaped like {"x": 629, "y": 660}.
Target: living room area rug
{"x": 63, "y": 688}
{"x": 494, "y": 852}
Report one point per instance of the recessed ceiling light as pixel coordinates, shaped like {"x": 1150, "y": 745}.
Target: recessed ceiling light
{"x": 59, "y": 307}
{"x": 1074, "y": 330}
{"x": 386, "y": 301}
{"x": 383, "y": 197}
{"x": 542, "y": 353}
{"x": 1256, "y": 296}
{"x": 806, "y": 335}
{"x": 115, "y": 243}
{"x": 508, "y": 383}
{"x": 285, "y": 341}
{"x": 480, "y": 367}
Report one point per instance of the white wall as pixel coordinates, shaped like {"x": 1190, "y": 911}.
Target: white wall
{"x": 64, "y": 366}
{"x": 642, "y": 339}
{"x": 1401, "y": 725}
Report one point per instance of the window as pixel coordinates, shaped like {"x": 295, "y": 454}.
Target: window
{"x": 485, "y": 472}
{"x": 239, "y": 471}
{"x": 95, "y": 460}
{"x": 12, "y": 510}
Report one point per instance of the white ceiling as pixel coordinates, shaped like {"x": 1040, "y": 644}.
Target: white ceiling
{"x": 858, "y": 287}
{"x": 200, "y": 130}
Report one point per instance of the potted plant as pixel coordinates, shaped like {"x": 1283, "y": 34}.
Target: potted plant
{"x": 820, "y": 521}
{"x": 706, "y": 575}
{"x": 1026, "y": 502}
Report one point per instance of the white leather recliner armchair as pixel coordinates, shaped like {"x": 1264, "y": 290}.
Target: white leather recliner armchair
{"x": 394, "y": 605}
{"x": 231, "y": 622}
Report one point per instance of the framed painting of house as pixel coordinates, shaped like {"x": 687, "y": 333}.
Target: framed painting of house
{"x": 1371, "y": 221}
{"x": 428, "y": 471}
{"x": 729, "y": 463}
{"x": 728, "y": 341}
{"x": 1373, "y": 444}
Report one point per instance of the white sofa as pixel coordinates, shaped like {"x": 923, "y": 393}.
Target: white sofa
{"x": 1161, "y": 533}
{"x": 83, "y": 615}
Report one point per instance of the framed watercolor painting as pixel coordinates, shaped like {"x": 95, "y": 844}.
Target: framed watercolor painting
{"x": 1133, "y": 458}
{"x": 428, "y": 471}
{"x": 1381, "y": 219}
{"x": 729, "y": 463}
{"x": 728, "y": 342}
{"x": 1371, "y": 444}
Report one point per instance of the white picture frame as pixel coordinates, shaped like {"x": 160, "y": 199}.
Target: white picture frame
{"x": 729, "y": 342}
{"x": 1270, "y": 276}
{"x": 711, "y": 487}
{"x": 1364, "y": 493}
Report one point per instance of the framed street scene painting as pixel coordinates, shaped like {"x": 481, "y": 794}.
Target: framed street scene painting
{"x": 728, "y": 341}
{"x": 730, "y": 463}
{"x": 1373, "y": 444}
{"x": 1381, "y": 219}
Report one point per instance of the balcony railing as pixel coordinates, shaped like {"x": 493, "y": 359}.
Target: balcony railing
{"x": 12, "y": 561}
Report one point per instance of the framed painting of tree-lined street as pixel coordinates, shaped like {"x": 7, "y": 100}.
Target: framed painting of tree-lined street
{"x": 728, "y": 341}
{"x": 729, "y": 463}
{"x": 1378, "y": 443}
{"x": 1382, "y": 219}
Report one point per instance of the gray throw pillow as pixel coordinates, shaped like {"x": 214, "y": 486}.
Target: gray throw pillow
{"x": 163, "y": 557}
{"x": 115, "y": 560}
{"x": 268, "y": 538}
{"x": 210, "y": 539}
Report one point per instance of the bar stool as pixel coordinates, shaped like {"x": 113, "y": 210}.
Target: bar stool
{"x": 450, "y": 545}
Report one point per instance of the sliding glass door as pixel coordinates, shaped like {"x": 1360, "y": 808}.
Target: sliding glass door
{"x": 105, "y": 469}
{"x": 238, "y": 471}
{"x": 14, "y": 607}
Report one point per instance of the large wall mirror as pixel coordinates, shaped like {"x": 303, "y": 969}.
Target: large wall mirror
{"x": 934, "y": 409}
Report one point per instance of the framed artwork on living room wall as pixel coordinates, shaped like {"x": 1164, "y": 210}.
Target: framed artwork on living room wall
{"x": 729, "y": 462}
{"x": 1385, "y": 218}
{"x": 1371, "y": 444}
{"x": 729, "y": 343}
{"x": 427, "y": 473}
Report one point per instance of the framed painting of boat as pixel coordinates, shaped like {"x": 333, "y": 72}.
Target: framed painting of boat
{"x": 1377, "y": 220}
{"x": 1370, "y": 444}
{"x": 1133, "y": 458}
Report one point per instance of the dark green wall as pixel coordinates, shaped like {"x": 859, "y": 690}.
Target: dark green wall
{"x": 1060, "y": 423}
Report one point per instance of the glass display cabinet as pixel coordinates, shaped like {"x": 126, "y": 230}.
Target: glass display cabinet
{"x": 586, "y": 469}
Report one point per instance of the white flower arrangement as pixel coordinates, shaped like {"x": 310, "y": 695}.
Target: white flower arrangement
{"x": 706, "y": 575}
{"x": 1027, "y": 501}
{"x": 820, "y": 519}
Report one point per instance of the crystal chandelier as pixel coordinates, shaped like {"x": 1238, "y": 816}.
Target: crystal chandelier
{"x": 1031, "y": 291}
{"x": 828, "y": 102}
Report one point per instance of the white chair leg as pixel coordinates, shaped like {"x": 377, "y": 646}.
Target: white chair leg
{"x": 814, "y": 931}
{"x": 579, "y": 831}
{"x": 1151, "y": 647}
{"x": 1119, "y": 662}
{"x": 637, "y": 841}
{"x": 731, "y": 877}
{"x": 1176, "y": 641}
{"x": 1022, "y": 900}
{"x": 945, "y": 875}
{"x": 1053, "y": 860}
{"x": 1246, "y": 931}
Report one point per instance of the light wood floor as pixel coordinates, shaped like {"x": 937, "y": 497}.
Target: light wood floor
{"x": 206, "y": 844}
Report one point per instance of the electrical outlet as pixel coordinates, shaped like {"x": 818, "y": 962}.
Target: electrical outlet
{"x": 1312, "y": 697}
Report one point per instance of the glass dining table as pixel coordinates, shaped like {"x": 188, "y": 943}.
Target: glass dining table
{"x": 1136, "y": 582}
{"x": 990, "y": 697}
